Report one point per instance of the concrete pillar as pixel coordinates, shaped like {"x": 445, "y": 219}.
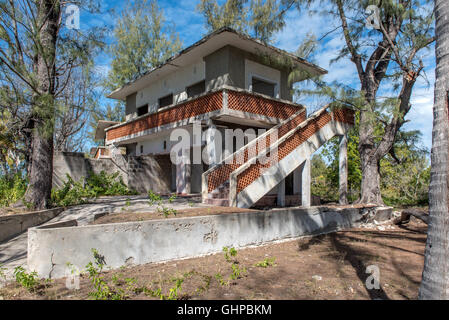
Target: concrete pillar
{"x": 213, "y": 140}
{"x": 343, "y": 170}
{"x": 281, "y": 194}
{"x": 183, "y": 171}
{"x": 306, "y": 180}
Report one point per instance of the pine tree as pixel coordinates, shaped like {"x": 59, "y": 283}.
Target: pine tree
{"x": 141, "y": 42}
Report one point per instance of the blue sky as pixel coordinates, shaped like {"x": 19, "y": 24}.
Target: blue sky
{"x": 190, "y": 26}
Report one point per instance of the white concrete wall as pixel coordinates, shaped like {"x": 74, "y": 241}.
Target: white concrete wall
{"x": 254, "y": 69}
{"x": 154, "y": 144}
{"x": 49, "y": 250}
{"x": 175, "y": 83}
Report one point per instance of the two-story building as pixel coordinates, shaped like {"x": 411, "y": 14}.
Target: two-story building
{"x": 223, "y": 85}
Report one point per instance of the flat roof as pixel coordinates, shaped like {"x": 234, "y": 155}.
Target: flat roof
{"x": 101, "y": 126}
{"x": 209, "y": 44}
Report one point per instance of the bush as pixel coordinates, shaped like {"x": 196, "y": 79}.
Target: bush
{"x": 96, "y": 185}
{"x": 12, "y": 189}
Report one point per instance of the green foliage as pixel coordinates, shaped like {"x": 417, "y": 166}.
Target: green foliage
{"x": 102, "y": 289}
{"x": 221, "y": 280}
{"x": 229, "y": 252}
{"x": 258, "y": 18}
{"x": 2, "y": 272}
{"x": 236, "y": 271}
{"x": 267, "y": 262}
{"x": 167, "y": 211}
{"x": 404, "y": 181}
{"x": 142, "y": 41}
{"x": 172, "y": 198}
{"x": 154, "y": 198}
{"x": 27, "y": 280}
{"x": 12, "y": 189}
{"x": 173, "y": 293}
{"x": 96, "y": 185}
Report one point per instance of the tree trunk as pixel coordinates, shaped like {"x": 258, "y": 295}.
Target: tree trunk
{"x": 435, "y": 278}
{"x": 41, "y": 167}
{"x": 370, "y": 188}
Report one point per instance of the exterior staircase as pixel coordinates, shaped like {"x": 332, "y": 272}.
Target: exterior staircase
{"x": 244, "y": 177}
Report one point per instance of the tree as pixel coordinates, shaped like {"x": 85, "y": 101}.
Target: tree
{"x": 258, "y": 18}
{"x": 385, "y": 58}
{"x": 435, "y": 279}
{"x": 74, "y": 108}
{"x": 37, "y": 57}
{"x": 141, "y": 42}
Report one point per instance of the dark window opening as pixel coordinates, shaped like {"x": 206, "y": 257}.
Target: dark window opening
{"x": 289, "y": 185}
{"x": 141, "y": 149}
{"x": 142, "y": 110}
{"x": 196, "y": 89}
{"x": 166, "y": 101}
{"x": 165, "y": 145}
{"x": 263, "y": 87}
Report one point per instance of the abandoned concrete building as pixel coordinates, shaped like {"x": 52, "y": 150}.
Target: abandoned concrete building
{"x": 225, "y": 81}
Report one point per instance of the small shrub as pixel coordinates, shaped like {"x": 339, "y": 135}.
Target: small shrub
{"x": 96, "y": 185}
{"x": 229, "y": 252}
{"x": 172, "y": 198}
{"x": 27, "y": 280}
{"x": 267, "y": 262}
{"x": 102, "y": 290}
{"x": 12, "y": 189}
{"x": 167, "y": 211}
{"x": 220, "y": 280}
{"x": 154, "y": 198}
{"x": 237, "y": 272}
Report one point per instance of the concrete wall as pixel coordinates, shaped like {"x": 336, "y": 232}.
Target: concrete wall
{"x": 12, "y": 225}
{"x": 260, "y": 71}
{"x": 49, "y": 250}
{"x": 141, "y": 173}
{"x": 150, "y": 173}
{"x": 131, "y": 107}
{"x": 174, "y": 83}
{"x": 77, "y": 166}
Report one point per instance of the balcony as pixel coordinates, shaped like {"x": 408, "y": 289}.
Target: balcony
{"x": 227, "y": 104}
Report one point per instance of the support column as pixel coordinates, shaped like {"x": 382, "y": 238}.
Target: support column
{"x": 213, "y": 141}
{"x": 281, "y": 194}
{"x": 305, "y": 184}
{"x": 183, "y": 169}
{"x": 343, "y": 170}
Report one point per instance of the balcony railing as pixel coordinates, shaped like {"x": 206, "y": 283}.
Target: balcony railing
{"x": 226, "y": 100}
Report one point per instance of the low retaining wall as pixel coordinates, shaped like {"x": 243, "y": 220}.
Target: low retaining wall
{"x": 12, "y": 225}
{"x": 133, "y": 243}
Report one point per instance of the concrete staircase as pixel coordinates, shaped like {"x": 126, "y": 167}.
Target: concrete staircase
{"x": 251, "y": 172}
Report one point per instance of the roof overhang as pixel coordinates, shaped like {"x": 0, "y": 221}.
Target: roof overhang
{"x": 206, "y": 46}
{"x": 100, "y": 133}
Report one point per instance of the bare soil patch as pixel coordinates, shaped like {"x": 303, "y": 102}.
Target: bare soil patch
{"x": 182, "y": 213}
{"x": 331, "y": 266}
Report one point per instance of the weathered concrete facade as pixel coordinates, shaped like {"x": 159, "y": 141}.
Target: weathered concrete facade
{"x": 140, "y": 173}
{"x": 50, "y": 248}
